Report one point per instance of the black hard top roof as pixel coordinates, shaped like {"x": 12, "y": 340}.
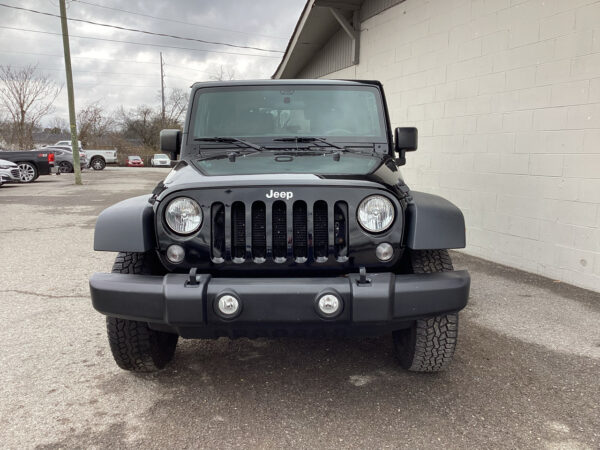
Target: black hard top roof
{"x": 279, "y": 82}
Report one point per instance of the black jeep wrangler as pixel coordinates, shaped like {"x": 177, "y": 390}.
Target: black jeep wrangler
{"x": 286, "y": 215}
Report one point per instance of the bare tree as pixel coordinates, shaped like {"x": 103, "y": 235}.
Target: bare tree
{"x": 93, "y": 123}
{"x": 141, "y": 123}
{"x": 175, "y": 107}
{"x": 145, "y": 122}
{"x": 223, "y": 74}
{"x": 27, "y": 96}
{"x": 58, "y": 125}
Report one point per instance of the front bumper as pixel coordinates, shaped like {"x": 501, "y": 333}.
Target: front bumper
{"x": 7, "y": 177}
{"x": 386, "y": 301}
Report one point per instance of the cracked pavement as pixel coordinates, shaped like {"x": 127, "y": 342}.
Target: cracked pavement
{"x": 526, "y": 372}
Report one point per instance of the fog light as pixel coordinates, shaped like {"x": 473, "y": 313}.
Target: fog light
{"x": 329, "y": 305}
{"x": 175, "y": 253}
{"x": 384, "y": 251}
{"x": 228, "y": 305}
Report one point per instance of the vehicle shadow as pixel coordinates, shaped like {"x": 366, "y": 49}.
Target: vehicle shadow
{"x": 499, "y": 391}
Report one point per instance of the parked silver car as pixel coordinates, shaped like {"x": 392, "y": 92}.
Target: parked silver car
{"x": 9, "y": 172}
{"x": 160, "y": 160}
{"x": 63, "y": 157}
{"x": 97, "y": 159}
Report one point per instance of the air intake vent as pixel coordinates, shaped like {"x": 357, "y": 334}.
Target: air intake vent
{"x": 320, "y": 225}
{"x": 238, "y": 230}
{"x": 279, "y": 230}
{"x": 300, "y": 231}
{"x": 218, "y": 232}
{"x": 259, "y": 231}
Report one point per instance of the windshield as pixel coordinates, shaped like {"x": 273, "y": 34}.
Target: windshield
{"x": 161, "y": 156}
{"x": 340, "y": 113}
{"x": 269, "y": 163}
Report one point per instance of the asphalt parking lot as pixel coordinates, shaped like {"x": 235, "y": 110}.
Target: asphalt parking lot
{"x": 526, "y": 373}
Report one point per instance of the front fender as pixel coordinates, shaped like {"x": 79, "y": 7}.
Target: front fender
{"x": 434, "y": 223}
{"x": 127, "y": 226}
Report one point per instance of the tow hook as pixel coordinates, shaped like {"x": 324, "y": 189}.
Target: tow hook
{"x": 193, "y": 278}
{"x": 363, "y": 280}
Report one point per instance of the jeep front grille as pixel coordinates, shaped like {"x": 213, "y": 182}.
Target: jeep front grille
{"x": 279, "y": 231}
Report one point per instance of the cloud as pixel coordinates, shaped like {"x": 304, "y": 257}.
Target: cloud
{"x": 117, "y": 73}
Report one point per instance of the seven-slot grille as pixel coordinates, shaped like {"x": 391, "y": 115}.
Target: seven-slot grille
{"x": 279, "y": 231}
{"x": 15, "y": 172}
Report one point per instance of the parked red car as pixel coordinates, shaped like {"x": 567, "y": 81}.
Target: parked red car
{"x": 134, "y": 161}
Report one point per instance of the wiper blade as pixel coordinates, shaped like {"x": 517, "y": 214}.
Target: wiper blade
{"x": 232, "y": 140}
{"x": 301, "y": 139}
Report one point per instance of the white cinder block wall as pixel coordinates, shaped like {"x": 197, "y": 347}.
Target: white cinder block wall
{"x": 506, "y": 95}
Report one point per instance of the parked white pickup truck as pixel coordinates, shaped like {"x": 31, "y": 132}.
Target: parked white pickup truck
{"x": 98, "y": 159}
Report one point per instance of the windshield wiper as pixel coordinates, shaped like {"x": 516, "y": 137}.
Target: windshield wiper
{"x": 303, "y": 139}
{"x": 232, "y": 140}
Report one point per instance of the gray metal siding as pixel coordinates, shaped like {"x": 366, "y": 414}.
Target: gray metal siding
{"x": 371, "y": 8}
{"x": 335, "y": 55}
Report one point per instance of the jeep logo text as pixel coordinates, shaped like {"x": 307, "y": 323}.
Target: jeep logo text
{"x": 283, "y": 194}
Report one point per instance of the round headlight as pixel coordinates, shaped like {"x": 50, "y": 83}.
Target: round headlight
{"x": 183, "y": 215}
{"x": 375, "y": 213}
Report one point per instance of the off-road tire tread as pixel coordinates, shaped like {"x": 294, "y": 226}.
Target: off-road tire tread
{"x": 134, "y": 346}
{"x": 431, "y": 261}
{"x": 430, "y": 344}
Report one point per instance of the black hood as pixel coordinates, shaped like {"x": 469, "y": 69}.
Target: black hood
{"x": 187, "y": 176}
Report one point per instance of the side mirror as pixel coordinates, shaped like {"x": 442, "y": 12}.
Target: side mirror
{"x": 170, "y": 142}
{"x": 406, "y": 140}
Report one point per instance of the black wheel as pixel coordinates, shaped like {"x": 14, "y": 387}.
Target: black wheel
{"x": 28, "y": 172}
{"x": 428, "y": 346}
{"x": 98, "y": 163}
{"x": 65, "y": 167}
{"x": 133, "y": 344}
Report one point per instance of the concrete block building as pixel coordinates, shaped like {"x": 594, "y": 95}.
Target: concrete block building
{"x": 506, "y": 96}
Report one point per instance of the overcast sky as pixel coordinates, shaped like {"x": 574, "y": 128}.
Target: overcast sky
{"x": 117, "y": 73}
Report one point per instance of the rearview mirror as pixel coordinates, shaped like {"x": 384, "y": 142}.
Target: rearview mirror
{"x": 170, "y": 142}
{"x": 406, "y": 139}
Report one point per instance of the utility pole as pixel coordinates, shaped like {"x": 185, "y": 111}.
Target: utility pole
{"x": 162, "y": 91}
{"x": 74, "y": 142}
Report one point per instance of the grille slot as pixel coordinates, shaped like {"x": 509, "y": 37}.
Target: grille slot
{"x": 340, "y": 229}
{"x": 259, "y": 230}
{"x": 320, "y": 226}
{"x": 238, "y": 230}
{"x": 279, "y": 230}
{"x": 300, "y": 241}
{"x": 218, "y": 232}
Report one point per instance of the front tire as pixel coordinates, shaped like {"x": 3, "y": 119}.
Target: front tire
{"x": 429, "y": 344}
{"x": 134, "y": 346}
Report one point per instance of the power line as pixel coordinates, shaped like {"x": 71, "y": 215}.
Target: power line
{"x": 108, "y": 59}
{"x": 80, "y": 57}
{"x": 96, "y": 72}
{"x": 143, "y": 44}
{"x": 137, "y": 74}
{"x": 181, "y": 21}
{"x": 187, "y": 68}
{"x": 135, "y": 30}
{"x": 115, "y": 85}
{"x": 113, "y": 60}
